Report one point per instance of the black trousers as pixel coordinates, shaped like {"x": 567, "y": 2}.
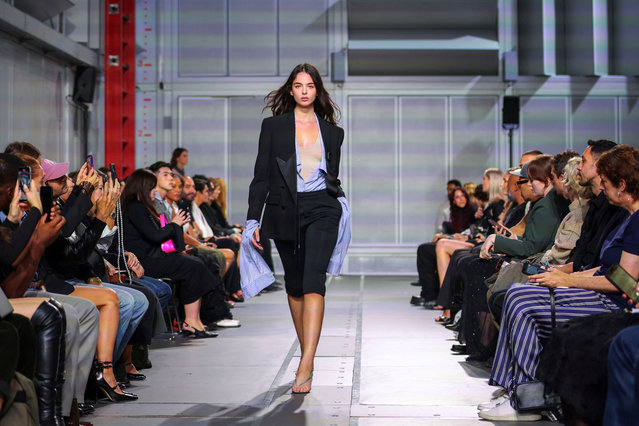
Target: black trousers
{"x": 427, "y": 271}
{"x": 306, "y": 261}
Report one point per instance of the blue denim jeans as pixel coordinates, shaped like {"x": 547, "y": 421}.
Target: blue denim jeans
{"x": 133, "y": 305}
{"x": 161, "y": 289}
{"x": 623, "y": 378}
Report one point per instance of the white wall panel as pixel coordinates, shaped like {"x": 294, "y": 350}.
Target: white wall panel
{"x": 372, "y": 144}
{"x": 422, "y": 173}
{"x": 629, "y": 121}
{"x": 244, "y": 130}
{"x": 544, "y": 124}
{"x": 303, "y": 26}
{"x": 253, "y": 37}
{"x": 474, "y": 136}
{"x": 203, "y": 131}
{"x": 202, "y": 37}
{"x": 593, "y": 118}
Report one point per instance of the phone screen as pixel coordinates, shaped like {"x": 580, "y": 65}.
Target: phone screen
{"x": 46, "y": 196}
{"x": 24, "y": 177}
{"x": 623, "y": 281}
{"x": 90, "y": 160}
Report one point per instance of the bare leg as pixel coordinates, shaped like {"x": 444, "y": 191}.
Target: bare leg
{"x": 312, "y": 319}
{"x": 128, "y": 360}
{"x": 192, "y": 315}
{"x": 106, "y": 300}
{"x": 296, "y": 305}
{"x": 26, "y": 306}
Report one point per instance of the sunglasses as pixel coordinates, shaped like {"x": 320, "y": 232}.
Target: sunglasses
{"x": 521, "y": 182}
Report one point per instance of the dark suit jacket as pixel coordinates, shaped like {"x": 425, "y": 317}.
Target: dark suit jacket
{"x": 275, "y": 175}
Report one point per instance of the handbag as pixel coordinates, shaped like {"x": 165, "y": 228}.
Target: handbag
{"x": 533, "y": 396}
{"x": 167, "y": 246}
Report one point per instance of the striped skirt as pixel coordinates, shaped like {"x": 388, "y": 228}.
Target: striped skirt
{"x": 526, "y": 323}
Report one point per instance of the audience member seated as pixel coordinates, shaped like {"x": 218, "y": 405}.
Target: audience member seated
{"x": 179, "y": 159}
{"x": 144, "y": 236}
{"x": 525, "y": 321}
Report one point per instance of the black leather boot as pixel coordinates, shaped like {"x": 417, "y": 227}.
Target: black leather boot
{"x": 61, "y": 358}
{"x": 47, "y": 323}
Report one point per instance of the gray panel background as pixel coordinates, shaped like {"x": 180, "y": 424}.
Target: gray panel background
{"x": 423, "y": 174}
{"x": 629, "y": 120}
{"x": 373, "y": 177}
{"x": 253, "y": 37}
{"x": 303, "y": 34}
{"x": 203, "y": 131}
{"x": 544, "y": 124}
{"x": 202, "y": 37}
{"x": 474, "y": 136}
{"x": 593, "y": 118}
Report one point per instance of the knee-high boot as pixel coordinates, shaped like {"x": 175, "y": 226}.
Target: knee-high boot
{"x": 61, "y": 358}
{"x": 47, "y": 323}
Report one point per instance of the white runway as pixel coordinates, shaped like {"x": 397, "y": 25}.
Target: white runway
{"x": 380, "y": 361}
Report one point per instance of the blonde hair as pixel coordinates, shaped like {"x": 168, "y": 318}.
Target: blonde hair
{"x": 221, "y": 199}
{"x": 495, "y": 177}
{"x": 571, "y": 178}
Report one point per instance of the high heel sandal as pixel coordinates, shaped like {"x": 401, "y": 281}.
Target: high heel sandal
{"x": 106, "y": 388}
{"x": 295, "y": 384}
{"x": 197, "y": 334}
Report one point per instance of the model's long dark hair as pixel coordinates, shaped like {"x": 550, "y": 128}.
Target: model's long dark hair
{"x": 138, "y": 188}
{"x": 281, "y": 101}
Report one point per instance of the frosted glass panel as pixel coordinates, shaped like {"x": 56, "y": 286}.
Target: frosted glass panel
{"x": 543, "y": 125}
{"x": 373, "y": 179}
{"x": 244, "y": 130}
{"x": 422, "y": 169}
{"x": 201, "y": 37}
{"x": 253, "y": 37}
{"x": 203, "y": 133}
{"x": 629, "y": 117}
{"x": 303, "y": 34}
{"x": 593, "y": 118}
{"x": 473, "y": 136}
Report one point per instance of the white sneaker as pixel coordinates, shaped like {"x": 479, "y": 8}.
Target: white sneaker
{"x": 493, "y": 402}
{"x": 504, "y": 412}
{"x": 228, "y": 323}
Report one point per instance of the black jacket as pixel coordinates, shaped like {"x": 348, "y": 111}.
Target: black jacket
{"x": 275, "y": 176}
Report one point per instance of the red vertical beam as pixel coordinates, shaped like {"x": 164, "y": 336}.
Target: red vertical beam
{"x": 119, "y": 79}
{"x": 128, "y": 86}
{"x": 113, "y": 83}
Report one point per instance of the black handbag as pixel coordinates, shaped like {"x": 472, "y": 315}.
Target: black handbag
{"x": 533, "y": 396}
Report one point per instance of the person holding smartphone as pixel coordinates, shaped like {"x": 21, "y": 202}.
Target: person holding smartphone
{"x": 527, "y": 308}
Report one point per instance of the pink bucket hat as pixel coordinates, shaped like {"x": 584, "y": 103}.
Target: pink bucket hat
{"x": 53, "y": 170}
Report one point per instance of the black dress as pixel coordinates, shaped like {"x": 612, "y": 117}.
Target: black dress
{"x": 143, "y": 236}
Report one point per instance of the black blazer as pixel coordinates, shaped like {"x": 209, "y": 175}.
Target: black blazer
{"x": 275, "y": 175}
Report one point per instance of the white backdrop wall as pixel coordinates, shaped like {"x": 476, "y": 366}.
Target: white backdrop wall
{"x": 205, "y": 67}
{"x": 33, "y": 105}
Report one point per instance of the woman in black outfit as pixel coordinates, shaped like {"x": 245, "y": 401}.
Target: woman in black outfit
{"x": 296, "y": 177}
{"x": 143, "y": 236}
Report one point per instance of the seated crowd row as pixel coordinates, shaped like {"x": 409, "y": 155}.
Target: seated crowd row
{"x": 520, "y": 273}
{"x": 89, "y": 262}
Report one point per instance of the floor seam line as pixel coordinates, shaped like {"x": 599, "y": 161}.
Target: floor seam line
{"x": 357, "y": 362}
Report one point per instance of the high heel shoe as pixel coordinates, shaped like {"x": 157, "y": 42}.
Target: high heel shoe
{"x": 134, "y": 376}
{"x": 107, "y": 389}
{"x": 197, "y": 334}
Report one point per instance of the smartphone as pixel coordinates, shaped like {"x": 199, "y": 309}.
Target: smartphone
{"x": 621, "y": 279}
{"x": 90, "y": 160}
{"x": 530, "y": 269}
{"x": 46, "y": 196}
{"x": 184, "y": 205}
{"x": 497, "y": 226}
{"x": 24, "y": 177}
{"x": 114, "y": 173}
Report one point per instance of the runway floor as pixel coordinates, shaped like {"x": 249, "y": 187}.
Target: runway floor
{"x": 380, "y": 361}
